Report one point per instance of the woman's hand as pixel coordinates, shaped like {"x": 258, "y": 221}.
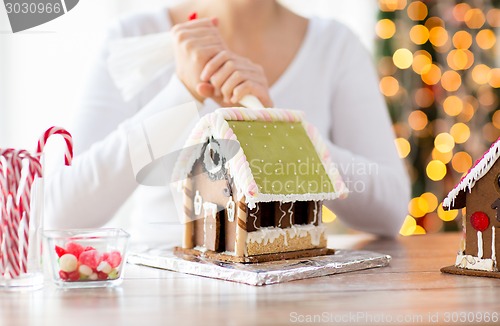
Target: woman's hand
{"x": 196, "y": 42}
{"x": 228, "y": 77}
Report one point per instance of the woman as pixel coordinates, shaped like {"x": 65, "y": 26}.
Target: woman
{"x": 237, "y": 47}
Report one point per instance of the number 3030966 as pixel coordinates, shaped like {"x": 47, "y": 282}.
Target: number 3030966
{"x": 33, "y": 8}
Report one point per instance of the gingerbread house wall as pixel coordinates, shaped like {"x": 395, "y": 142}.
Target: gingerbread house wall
{"x": 484, "y": 193}
{"x": 212, "y": 191}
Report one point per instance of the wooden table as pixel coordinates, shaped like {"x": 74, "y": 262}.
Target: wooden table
{"x": 410, "y": 291}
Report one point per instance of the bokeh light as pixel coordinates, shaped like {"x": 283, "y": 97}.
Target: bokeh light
{"x": 424, "y": 97}
{"x": 436, "y": 170}
{"x": 444, "y": 142}
{"x": 460, "y": 132}
{"x": 480, "y": 74}
{"x": 438, "y": 36}
{"x": 419, "y": 34}
{"x": 402, "y": 58}
{"x": 417, "y": 120}
{"x": 453, "y": 105}
{"x": 494, "y": 78}
{"x": 389, "y": 86}
{"x": 408, "y": 227}
{"x": 391, "y": 5}
{"x": 403, "y": 147}
{"x": 446, "y": 215}
{"x": 431, "y": 201}
{"x": 422, "y": 62}
{"x": 486, "y": 39}
{"x": 327, "y": 215}
{"x": 451, "y": 80}
{"x": 460, "y": 10}
{"x": 432, "y": 76}
{"x": 462, "y": 40}
{"x": 442, "y": 157}
{"x": 461, "y": 162}
{"x": 474, "y": 18}
{"x": 417, "y": 10}
{"x": 385, "y": 28}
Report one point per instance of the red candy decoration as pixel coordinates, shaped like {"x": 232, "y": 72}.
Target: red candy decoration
{"x": 114, "y": 259}
{"x": 102, "y": 276}
{"x": 63, "y": 275}
{"x": 74, "y": 249}
{"x": 91, "y": 258}
{"x": 193, "y": 16}
{"x": 479, "y": 221}
{"x": 74, "y": 276}
{"x": 60, "y": 251}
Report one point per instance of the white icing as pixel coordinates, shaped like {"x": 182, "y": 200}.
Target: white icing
{"x": 255, "y": 217}
{"x": 479, "y": 244}
{"x": 476, "y": 173}
{"x": 475, "y": 263}
{"x": 197, "y": 203}
{"x": 315, "y": 212}
{"x": 210, "y": 207}
{"x": 283, "y": 213}
{"x": 290, "y": 210}
{"x": 230, "y": 210}
{"x": 266, "y": 235}
{"x": 493, "y": 247}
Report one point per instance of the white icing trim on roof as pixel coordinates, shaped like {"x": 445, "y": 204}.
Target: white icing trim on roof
{"x": 475, "y": 173}
{"x": 215, "y": 124}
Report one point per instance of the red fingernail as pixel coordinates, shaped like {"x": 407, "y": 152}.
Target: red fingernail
{"x": 193, "y": 16}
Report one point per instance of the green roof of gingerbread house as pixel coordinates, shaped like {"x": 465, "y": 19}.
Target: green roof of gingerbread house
{"x": 282, "y": 158}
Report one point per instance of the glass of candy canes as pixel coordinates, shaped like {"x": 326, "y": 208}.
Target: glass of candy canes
{"x": 21, "y": 213}
{"x": 86, "y": 257}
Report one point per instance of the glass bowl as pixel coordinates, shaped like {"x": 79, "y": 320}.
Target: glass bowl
{"x": 86, "y": 257}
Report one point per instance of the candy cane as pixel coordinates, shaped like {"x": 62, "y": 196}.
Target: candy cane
{"x": 68, "y": 156}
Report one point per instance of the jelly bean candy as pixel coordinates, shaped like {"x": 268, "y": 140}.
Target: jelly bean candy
{"x": 74, "y": 248}
{"x": 60, "y": 251}
{"x": 113, "y": 274}
{"x": 68, "y": 263}
{"x": 93, "y": 277}
{"x": 104, "y": 267}
{"x": 74, "y": 276}
{"x": 91, "y": 258}
{"x": 63, "y": 275}
{"x": 114, "y": 259}
{"x": 85, "y": 270}
{"x": 102, "y": 276}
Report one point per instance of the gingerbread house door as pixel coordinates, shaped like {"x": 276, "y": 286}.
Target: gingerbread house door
{"x": 214, "y": 227}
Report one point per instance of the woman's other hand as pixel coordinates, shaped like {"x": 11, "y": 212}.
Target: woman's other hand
{"x": 228, "y": 77}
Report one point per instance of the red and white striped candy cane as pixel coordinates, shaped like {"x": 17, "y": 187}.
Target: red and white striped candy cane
{"x": 68, "y": 155}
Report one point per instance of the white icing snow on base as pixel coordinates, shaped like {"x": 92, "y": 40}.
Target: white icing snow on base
{"x": 266, "y": 235}
{"x": 475, "y": 263}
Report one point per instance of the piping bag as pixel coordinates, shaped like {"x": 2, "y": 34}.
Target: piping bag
{"x": 134, "y": 62}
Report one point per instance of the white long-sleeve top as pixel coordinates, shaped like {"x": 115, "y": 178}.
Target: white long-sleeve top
{"x": 331, "y": 78}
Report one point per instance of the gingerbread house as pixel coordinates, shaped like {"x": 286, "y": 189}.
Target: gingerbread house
{"x": 254, "y": 186}
{"x": 479, "y": 192}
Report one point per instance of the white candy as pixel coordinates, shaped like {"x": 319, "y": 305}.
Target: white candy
{"x": 93, "y": 277}
{"x": 85, "y": 270}
{"x": 104, "y": 267}
{"x": 68, "y": 263}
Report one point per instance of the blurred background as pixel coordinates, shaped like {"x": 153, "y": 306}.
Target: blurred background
{"x": 438, "y": 61}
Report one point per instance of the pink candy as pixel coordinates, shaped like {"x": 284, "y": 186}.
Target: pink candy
{"x": 91, "y": 258}
{"x": 79, "y": 263}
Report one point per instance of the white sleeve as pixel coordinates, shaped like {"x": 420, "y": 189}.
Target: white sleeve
{"x": 88, "y": 193}
{"x": 363, "y": 147}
